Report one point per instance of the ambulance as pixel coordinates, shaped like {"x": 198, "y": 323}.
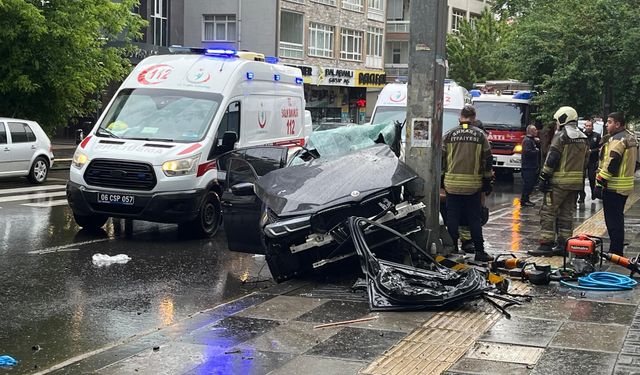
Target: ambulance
{"x": 153, "y": 153}
{"x": 392, "y": 104}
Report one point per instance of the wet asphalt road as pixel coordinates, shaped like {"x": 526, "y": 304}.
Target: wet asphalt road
{"x": 55, "y": 299}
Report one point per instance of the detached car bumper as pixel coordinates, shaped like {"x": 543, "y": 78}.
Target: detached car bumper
{"x": 172, "y": 207}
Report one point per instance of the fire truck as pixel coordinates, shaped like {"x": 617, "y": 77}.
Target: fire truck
{"x": 505, "y": 109}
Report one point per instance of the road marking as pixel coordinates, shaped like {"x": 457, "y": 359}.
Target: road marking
{"x": 41, "y": 252}
{"x": 60, "y": 202}
{"x": 26, "y": 197}
{"x": 30, "y": 189}
{"x": 57, "y": 249}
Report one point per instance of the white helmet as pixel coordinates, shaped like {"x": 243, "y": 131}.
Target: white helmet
{"x": 565, "y": 115}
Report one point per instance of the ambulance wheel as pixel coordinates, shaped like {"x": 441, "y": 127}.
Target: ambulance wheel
{"x": 90, "y": 222}
{"x": 207, "y": 223}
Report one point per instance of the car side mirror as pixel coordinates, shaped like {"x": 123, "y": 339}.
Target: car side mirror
{"x": 243, "y": 189}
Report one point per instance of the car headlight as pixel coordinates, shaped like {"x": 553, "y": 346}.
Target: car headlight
{"x": 181, "y": 167}
{"x": 79, "y": 160}
{"x": 517, "y": 148}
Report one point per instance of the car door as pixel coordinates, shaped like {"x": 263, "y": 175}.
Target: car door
{"x": 22, "y": 147}
{"x": 241, "y": 208}
{"x": 5, "y": 151}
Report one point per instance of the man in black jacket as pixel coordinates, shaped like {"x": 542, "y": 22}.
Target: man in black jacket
{"x": 594, "y": 149}
{"x": 530, "y": 165}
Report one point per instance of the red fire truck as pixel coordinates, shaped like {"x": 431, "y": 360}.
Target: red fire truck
{"x": 505, "y": 109}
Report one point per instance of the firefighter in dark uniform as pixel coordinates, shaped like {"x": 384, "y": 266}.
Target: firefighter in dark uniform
{"x": 614, "y": 181}
{"x": 561, "y": 179}
{"x": 467, "y": 165}
{"x": 594, "y": 149}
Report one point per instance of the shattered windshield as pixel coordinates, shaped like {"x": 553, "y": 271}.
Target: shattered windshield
{"x": 343, "y": 140}
{"x": 160, "y": 115}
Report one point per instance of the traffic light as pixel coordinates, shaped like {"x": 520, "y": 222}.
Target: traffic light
{"x": 361, "y": 103}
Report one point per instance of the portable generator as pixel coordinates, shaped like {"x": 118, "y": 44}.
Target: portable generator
{"x": 582, "y": 252}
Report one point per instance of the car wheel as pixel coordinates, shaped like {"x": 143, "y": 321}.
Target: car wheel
{"x": 90, "y": 222}
{"x": 39, "y": 171}
{"x": 209, "y": 218}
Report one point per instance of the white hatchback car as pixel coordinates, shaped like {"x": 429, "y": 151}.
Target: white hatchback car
{"x": 25, "y": 150}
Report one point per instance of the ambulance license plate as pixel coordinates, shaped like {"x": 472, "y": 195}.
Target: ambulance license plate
{"x": 111, "y": 198}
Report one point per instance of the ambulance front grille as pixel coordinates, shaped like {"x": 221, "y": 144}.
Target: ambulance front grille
{"x": 120, "y": 174}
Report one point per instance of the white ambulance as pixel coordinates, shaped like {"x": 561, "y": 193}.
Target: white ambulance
{"x": 392, "y": 105}
{"x": 152, "y": 154}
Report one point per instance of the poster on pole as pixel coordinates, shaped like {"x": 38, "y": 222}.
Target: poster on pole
{"x": 421, "y": 132}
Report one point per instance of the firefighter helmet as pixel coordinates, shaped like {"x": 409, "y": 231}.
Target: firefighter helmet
{"x": 565, "y": 115}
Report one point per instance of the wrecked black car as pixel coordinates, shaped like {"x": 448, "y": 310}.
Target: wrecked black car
{"x": 295, "y": 212}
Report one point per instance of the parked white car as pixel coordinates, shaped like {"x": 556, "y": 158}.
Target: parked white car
{"x": 25, "y": 150}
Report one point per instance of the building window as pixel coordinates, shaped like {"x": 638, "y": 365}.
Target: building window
{"x": 473, "y": 18}
{"x": 351, "y": 45}
{"x": 457, "y": 17}
{"x": 356, "y": 5}
{"x": 374, "y": 47}
{"x": 328, "y": 2}
{"x": 302, "y": 1}
{"x": 397, "y": 52}
{"x": 395, "y": 10}
{"x": 291, "y": 35}
{"x": 220, "y": 28}
{"x": 376, "y": 4}
{"x": 159, "y": 22}
{"x": 320, "y": 40}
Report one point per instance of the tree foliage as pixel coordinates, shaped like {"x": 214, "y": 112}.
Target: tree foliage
{"x": 55, "y": 56}
{"x": 476, "y": 52}
{"x": 570, "y": 48}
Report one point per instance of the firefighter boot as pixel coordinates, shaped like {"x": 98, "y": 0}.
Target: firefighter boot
{"x": 467, "y": 247}
{"x": 482, "y": 256}
{"x": 544, "y": 250}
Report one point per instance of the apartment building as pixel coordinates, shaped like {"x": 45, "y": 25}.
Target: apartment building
{"x": 337, "y": 44}
{"x": 397, "y": 31}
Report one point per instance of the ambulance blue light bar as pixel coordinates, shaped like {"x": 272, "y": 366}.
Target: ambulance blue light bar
{"x": 271, "y": 59}
{"x": 249, "y": 75}
{"x": 219, "y": 52}
{"x": 524, "y": 95}
{"x": 475, "y": 93}
{"x": 276, "y": 77}
{"x": 299, "y": 81}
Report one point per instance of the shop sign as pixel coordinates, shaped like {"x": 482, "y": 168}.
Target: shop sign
{"x": 338, "y": 77}
{"x": 370, "y": 78}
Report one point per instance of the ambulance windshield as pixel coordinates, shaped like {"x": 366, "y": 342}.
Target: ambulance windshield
{"x": 385, "y": 115}
{"x": 160, "y": 115}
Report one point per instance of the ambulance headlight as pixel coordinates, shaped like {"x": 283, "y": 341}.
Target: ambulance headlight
{"x": 181, "y": 167}
{"x": 79, "y": 160}
{"x": 517, "y": 148}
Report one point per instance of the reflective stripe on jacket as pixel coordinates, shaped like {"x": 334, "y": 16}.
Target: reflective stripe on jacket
{"x": 622, "y": 144}
{"x": 573, "y": 149}
{"x": 466, "y": 160}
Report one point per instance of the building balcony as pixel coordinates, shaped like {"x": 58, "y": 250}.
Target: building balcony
{"x": 394, "y": 71}
{"x": 397, "y": 26}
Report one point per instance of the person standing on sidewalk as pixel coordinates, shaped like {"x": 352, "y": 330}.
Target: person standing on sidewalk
{"x": 614, "y": 181}
{"x": 561, "y": 178}
{"x": 467, "y": 165}
{"x": 530, "y": 165}
{"x": 592, "y": 165}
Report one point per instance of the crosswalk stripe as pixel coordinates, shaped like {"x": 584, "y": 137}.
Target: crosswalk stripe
{"x": 60, "y": 202}
{"x": 31, "y": 189}
{"x": 26, "y": 197}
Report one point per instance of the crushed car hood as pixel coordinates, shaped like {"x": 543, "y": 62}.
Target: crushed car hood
{"x": 310, "y": 187}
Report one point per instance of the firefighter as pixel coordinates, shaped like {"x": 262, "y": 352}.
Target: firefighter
{"x": 560, "y": 180}
{"x": 614, "y": 181}
{"x": 467, "y": 165}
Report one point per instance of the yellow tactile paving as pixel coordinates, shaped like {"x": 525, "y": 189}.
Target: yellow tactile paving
{"x": 443, "y": 339}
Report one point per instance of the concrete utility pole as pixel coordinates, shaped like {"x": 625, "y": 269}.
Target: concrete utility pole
{"x": 424, "y": 110}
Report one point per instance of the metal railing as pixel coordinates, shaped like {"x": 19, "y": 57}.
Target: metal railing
{"x": 397, "y": 26}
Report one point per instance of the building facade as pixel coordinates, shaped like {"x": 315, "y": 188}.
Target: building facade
{"x": 337, "y": 44}
{"x": 397, "y": 31}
